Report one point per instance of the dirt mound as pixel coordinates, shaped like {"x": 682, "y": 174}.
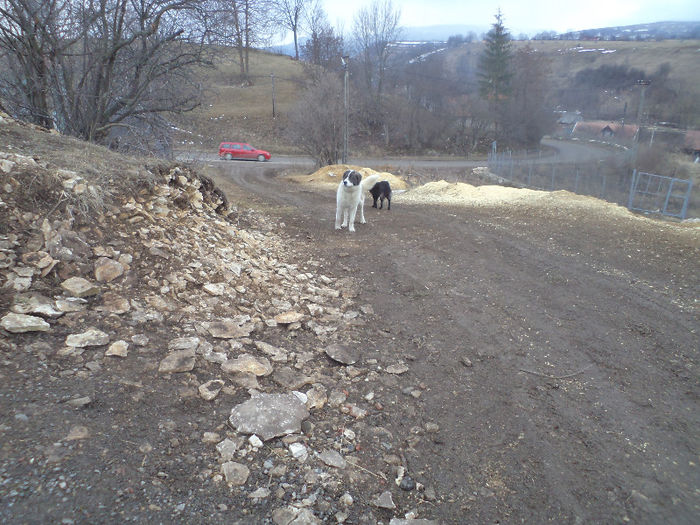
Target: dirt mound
{"x": 331, "y": 175}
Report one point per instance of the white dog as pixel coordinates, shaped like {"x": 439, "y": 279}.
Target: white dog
{"x": 350, "y": 197}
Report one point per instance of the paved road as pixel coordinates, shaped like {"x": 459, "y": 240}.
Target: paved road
{"x": 556, "y": 151}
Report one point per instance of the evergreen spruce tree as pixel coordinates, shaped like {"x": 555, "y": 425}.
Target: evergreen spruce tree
{"x": 495, "y": 71}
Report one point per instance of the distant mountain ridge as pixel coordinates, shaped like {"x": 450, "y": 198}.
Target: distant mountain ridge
{"x": 441, "y": 33}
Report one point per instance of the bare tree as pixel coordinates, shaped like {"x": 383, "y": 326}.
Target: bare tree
{"x": 323, "y": 47}
{"x": 527, "y": 117}
{"x": 291, "y": 16}
{"x": 316, "y": 123}
{"x": 87, "y": 68}
{"x": 375, "y": 27}
{"x": 243, "y": 24}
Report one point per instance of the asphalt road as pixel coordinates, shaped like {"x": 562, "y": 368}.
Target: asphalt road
{"x": 554, "y": 151}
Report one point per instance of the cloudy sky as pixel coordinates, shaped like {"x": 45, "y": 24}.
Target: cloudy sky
{"x": 526, "y": 15}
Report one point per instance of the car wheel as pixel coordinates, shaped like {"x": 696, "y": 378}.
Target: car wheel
{"x": 229, "y": 156}
{"x": 261, "y": 158}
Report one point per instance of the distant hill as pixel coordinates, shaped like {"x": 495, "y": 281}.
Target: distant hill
{"x": 441, "y": 33}
{"x": 652, "y": 31}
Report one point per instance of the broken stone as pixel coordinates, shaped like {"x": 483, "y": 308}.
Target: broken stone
{"x": 227, "y": 448}
{"x": 229, "y": 329}
{"x": 35, "y": 303}
{"x": 247, "y": 363}
{"x": 215, "y": 289}
{"x": 276, "y": 354}
{"x": 333, "y": 458}
{"x": 178, "y": 361}
{"x": 289, "y": 317}
{"x": 21, "y": 323}
{"x": 384, "y": 501}
{"x": 91, "y": 337}
{"x": 106, "y": 270}
{"x": 114, "y": 304}
{"x": 79, "y": 287}
{"x": 298, "y": 451}
{"x": 210, "y": 389}
{"x": 397, "y": 369}
{"x": 290, "y": 379}
{"x": 342, "y": 354}
{"x": 78, "y": 432}
{"x": 118, "y": 349}
{"x": 269, "y": 415}
{"x": 235, "y": 473}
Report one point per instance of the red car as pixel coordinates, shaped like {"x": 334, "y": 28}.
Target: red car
{"x": 241, "y": 150}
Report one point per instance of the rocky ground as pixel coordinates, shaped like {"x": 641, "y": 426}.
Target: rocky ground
{"x": 166, "y": 358}
{"x": 179, "y": 351}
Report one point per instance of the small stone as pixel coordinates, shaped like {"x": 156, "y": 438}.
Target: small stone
{"x": 269, "y": 415}
{"x": 118, "y": 349}
{"x": 215, "y": 289}
{"x": 210, "y": 437}
{"x": 227, "y": 448}
{"x": 235, "y": 473}
{"x": 289, "y": 317}
{"x": 466, "y": 361}
{"x": 260, "y": 493}
{"x": 333, "y": 458}
{"x": 21, "y": 323}
{"x": 255, "y": 441}
{"x": 176, "y": 362}
{"x": 80, "y": 402}
{"x": 298, "y": 451}
{"x": 106, "y": 270}
{"x": 229, "y": 329}
{"x": 407, "y": 483}
{"x": 397, "y": 369}
{"x": 209, "y": 390}
{"x": 91, "y": 337}
{"x": 384, "y": 501}
{"x": 79, "y": 287}
{"x": 78, "y": 432}
{"x": 246, "y": 363}
{"x": 341, "y": 354}
{"x": 346, "y": 499}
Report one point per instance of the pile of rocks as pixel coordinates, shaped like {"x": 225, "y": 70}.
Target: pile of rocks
{"x": 169, "y": 270}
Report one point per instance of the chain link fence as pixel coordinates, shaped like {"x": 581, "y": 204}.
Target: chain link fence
{"x": 610, "y": 179}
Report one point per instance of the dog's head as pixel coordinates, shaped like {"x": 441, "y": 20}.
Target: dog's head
{"x": 352, "y": 178}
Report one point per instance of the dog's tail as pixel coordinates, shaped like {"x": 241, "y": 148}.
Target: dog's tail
{"x": 368, "y": 182}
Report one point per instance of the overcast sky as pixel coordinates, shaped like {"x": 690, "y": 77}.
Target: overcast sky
{"x": 525, "y": 15}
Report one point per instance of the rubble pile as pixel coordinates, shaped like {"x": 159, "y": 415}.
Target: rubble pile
{"x": 169, "y": 277}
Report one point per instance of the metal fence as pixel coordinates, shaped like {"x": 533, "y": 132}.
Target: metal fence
{"x": 609, "y": 180}
{"x": 651, "y": 193}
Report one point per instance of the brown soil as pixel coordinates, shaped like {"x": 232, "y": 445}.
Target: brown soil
{"x": 553, "y": 341}
{"x": 549, "y": 341}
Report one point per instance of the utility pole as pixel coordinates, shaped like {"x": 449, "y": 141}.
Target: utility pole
{"x": 640, "y": 112}
{"x": 272, "y": 76}
{"x": 344, "y": 60}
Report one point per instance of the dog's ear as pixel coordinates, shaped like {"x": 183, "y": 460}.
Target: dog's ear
{"x": 347, "y": 172}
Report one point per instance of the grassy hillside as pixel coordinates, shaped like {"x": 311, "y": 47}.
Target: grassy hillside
{"x": 238, "y": 111}
{"x": 234, "y": 110}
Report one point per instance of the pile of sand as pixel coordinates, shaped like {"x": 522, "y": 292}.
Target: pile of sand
{"x": 441, "y": 192}
{"x": 331, "y": 175}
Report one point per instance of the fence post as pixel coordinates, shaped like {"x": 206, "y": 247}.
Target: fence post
{"x": 554, "y": 167}
{"x": 684, "y": 209}
{"x": 633, "y": 189}
{"x": 576, "y": 182}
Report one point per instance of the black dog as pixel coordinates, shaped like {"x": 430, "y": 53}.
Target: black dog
{"x": 381, "y": 190}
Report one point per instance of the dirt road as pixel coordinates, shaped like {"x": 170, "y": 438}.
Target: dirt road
{"x": 555, "y": 348}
